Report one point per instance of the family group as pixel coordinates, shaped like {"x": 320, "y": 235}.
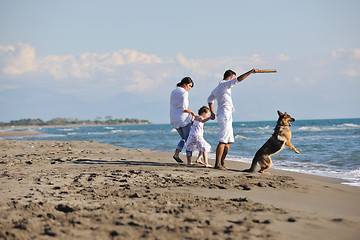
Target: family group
{"x": 189, "y": 125}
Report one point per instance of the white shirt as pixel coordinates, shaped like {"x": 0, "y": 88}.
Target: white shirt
{"x": 222, "y": 93}
{"x": 179, "y": 101}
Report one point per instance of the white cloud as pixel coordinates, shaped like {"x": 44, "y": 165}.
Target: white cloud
{"x": 357, "y": 53}
{"x": 299, "y": 81}
{"x": 6, "y": 49}
{"x": 21, "y": 59}
{"x": 304, "y": 82}
{"x": 255, "y": 59}
{"x": 139, "y": 82}
{"x": 59, "y": 67}
{"x": 347, "y": 53}
{"x": 136, "y": 72}
{"x": 133, "y": 56}
{"x": 283, "y": 57}
{"x": 337, "y": 52}
{"x": 106, "y": 75}
{"x": 18, "y": 60}
{"x": 352, "y": 73}
{"x": 190, "y": 64}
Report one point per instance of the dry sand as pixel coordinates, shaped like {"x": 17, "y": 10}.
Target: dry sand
{"x": 89, "y": 190}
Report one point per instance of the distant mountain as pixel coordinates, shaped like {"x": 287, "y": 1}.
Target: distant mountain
{"x": 47, "y": 104}
{"x": 36, "y": 103}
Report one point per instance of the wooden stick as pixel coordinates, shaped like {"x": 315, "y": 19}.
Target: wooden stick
{"x": 267, "y": 71}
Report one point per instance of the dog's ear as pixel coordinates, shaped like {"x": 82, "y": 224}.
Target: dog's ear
{"x": 279, "y": 113}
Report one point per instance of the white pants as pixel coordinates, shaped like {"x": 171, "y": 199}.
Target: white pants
{"x": 226, "y": 130}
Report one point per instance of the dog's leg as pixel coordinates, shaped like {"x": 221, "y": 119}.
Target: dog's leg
{"x": 281, "y": 138}
{"x": 265, "y": 165}
{"x": 289, "y": 144}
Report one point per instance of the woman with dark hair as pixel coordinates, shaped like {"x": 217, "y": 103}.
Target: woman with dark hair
{"x": 179, "y": 115}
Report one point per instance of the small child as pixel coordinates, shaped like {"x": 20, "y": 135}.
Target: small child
{"x": 196, "y": 141}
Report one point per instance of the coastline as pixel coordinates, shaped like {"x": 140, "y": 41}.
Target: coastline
{"x": 88, "y": 189}
{"x": 6, "y": 128}
{"x": 18, "y": 133}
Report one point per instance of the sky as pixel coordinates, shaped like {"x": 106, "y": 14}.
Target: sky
{"x": 90, "y": 59}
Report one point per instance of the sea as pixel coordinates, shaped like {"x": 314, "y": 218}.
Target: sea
{"x": 328, "y": 147}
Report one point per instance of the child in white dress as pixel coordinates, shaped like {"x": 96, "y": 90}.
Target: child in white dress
{"x": 196, "y": 141}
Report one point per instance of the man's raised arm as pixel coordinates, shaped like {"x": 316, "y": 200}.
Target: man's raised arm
{"x": 245, "y": 75}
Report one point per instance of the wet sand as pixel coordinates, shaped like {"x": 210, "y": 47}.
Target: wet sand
{"x": 90, "y": 190}
{"x": 18, "y": 133}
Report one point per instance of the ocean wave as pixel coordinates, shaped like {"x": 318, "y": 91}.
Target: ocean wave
{"x": 353, "y": 184}
{"x": 349, "y": 125}
{"x": 345, "y": 126}
{"x": 211, "y": 131}
{"x": 72, "y": 134}
{"x": 352, "y": 177}
{"x": 264, "y": 128}
{"x": 326, "y": 137}
{"x": 97, "y": 133}
{"x": 128, "y": 131}
{"x": 135, "y": 131}
{"x": 354, "y": 174}
{"x": 116, "y": 131}
{"x": 242, "y": 137}
{"x": 311, "y": 129}
{"x": 239, "y": 159}
{"x": 66, "y": 129}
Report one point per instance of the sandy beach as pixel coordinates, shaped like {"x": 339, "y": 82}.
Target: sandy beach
{"x": 90, "y": 190}
{"x": 18, "y": 133}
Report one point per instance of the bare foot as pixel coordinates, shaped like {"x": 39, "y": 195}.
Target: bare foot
{"x": 208, "y": 165}
{"x": 220, "y": 167}
{"x": 200, "y": 162}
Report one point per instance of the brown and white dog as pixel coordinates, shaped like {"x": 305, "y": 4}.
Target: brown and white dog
{"x": 277, "y": 142}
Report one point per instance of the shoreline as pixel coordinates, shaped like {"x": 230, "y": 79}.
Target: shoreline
{"x": 82, "y": 189}
{"x": 67, "y": 125}
{"x": 25, "y": 133}
{"x": 18, "y": 133}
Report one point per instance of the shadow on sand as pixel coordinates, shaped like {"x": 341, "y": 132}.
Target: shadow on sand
{"x": 147, "y": 163}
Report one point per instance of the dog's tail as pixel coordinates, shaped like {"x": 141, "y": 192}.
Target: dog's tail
{"x": 253, "y": 165}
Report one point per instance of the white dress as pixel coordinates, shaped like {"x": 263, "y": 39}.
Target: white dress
{"x": 196, "y": 141}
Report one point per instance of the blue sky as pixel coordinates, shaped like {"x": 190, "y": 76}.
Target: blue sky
{"x": 102, "y": 54}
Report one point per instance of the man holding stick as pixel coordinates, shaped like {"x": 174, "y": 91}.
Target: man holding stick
{"x": 222, "y": 93}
